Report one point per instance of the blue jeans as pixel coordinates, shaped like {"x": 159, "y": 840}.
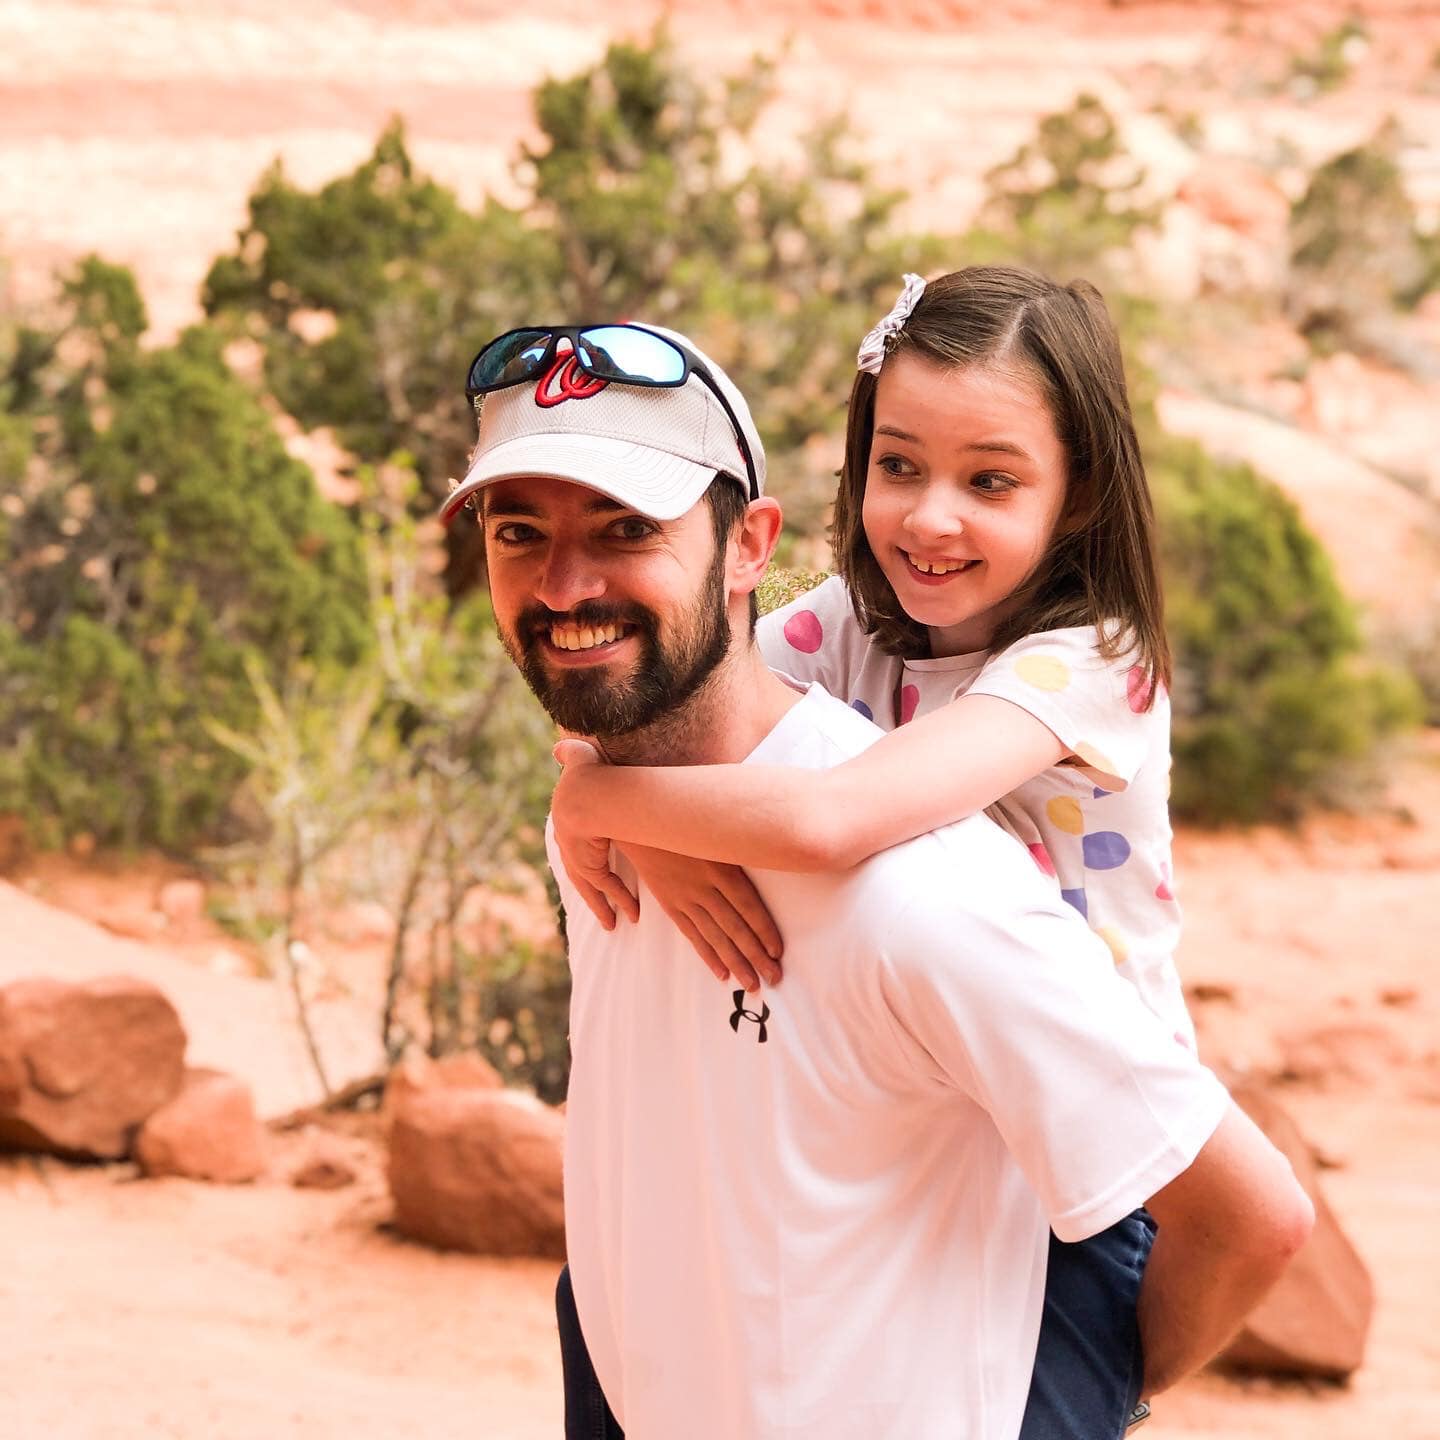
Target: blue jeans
{"x": 1088, "y": 1367}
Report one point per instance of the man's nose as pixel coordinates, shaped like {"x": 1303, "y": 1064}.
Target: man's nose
{"x": 568, "y": 578}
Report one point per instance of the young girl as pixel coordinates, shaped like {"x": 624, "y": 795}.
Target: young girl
{"x": 997, "y": 609}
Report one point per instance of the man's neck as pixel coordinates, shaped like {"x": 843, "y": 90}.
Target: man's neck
{"x": 724, "y": 721}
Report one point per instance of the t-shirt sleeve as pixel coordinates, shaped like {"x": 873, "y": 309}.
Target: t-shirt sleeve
{"x": 816, "y": 637}
{"x": 1097, "y": 708}
{"x": 1013, "y": 1001}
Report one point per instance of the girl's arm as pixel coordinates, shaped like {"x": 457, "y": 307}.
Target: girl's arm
{"x": 950, "y": 764}
{"x": 935, "y": 770}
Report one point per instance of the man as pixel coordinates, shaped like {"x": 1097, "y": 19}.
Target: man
{"x": 824, "y": 1212}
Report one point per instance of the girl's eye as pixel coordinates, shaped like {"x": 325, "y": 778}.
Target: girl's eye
{"x": 896, "y": 466}
{"x": 992, "y": 483}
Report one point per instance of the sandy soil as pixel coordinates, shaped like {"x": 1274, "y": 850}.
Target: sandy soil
{"x": 135, "y": 1308}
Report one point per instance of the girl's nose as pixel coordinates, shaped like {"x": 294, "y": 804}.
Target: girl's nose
{"x": 934, "y": 515}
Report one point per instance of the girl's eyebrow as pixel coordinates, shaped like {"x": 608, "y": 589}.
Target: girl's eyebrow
{"x": 991, "y": 447}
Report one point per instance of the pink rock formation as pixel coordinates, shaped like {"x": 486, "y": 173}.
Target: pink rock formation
{"x": 207, "y": 1132}
{"x": 478, "y": 1170}
{"x": 82, "y": 1065}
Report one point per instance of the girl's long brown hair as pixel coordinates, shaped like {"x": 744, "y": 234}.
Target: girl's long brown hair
{"x": 1100, "y": 567}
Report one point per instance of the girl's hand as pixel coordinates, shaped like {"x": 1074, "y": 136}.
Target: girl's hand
{"x": 717, "y": 909}
{"x": 587, "y": 857}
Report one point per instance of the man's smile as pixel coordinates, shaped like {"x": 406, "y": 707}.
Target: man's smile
{"x": 571, "y": 645}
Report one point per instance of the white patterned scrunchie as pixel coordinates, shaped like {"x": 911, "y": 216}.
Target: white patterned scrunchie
{"x": 874, "y": 347}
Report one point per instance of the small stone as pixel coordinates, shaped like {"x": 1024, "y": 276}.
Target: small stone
{"x": 207, "y": 1132}
{"x": 81, "y": 1066}
{"x": 478, "y": 1170}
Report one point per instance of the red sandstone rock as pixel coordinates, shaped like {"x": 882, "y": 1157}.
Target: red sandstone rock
{"x": 207, "y": 1132}
{"x": 478, "y": 1170}
{"x": 82, "y": 1065}
{"x": 462, "y": 1071}
{"x": 1315, "y": 1321}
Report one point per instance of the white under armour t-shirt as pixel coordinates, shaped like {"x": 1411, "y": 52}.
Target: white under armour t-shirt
{"x": 822, "y": 1212}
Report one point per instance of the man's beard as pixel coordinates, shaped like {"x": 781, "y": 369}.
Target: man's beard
{"x": 595, "y": 701}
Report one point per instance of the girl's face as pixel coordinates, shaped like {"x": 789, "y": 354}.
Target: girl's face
{"x": 965, "y": 487}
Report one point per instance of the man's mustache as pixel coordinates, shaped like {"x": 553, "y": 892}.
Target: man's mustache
{"x": 535, "y": 622}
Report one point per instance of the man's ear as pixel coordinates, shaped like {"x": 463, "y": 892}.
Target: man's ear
{"x": 752, "y": 544}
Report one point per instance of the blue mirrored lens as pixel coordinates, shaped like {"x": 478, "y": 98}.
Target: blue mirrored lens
{"x": 618, "y": 352}
{"x": 509, "y": 360}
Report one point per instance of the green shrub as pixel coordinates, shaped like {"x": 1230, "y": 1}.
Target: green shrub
{"x": 158, "y": 535}
{"x": 1274, "y": 705}
{"x": 1355, "y": 251}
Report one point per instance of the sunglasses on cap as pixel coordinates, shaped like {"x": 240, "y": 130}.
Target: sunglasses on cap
{"x": 618, "y": 354}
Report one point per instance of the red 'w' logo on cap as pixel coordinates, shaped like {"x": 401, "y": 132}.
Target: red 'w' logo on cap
{"x": 565, "y": 380}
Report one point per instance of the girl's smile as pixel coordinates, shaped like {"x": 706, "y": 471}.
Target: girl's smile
{"x": 965, "y": 487}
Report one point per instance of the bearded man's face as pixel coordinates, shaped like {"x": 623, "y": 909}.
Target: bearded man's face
{"x": 614, "y": 619}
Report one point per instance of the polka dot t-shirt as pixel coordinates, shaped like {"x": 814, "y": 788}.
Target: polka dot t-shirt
{"x": 1098, "y": 823}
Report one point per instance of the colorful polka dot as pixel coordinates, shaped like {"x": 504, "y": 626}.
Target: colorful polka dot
{"x": 1105, "y": 850}
{"x": 1138, "y": 689}
{"x": 863, "y": 709}
{"x": 1044, "y": 672}
{"x": 1041, "y": 856}
{"x": 1065, "y": 814}
{"x": 909, "y": 700}
{"x": 1116, "y": 941}
{"x": 1095, "y": 759}
{"x": 1099, "y": 794}
{"x": 1077, "y": 899}
{"x": 804, "y": 631}
{"x": 1163, "y": 890}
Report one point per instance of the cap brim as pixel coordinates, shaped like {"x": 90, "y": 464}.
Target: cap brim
{"x": 653, "y": 482}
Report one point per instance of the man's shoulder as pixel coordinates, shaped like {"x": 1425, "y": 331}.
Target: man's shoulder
{"x": 817, "y": 732}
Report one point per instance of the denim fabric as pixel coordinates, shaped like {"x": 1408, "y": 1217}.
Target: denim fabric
{"x": 1089, "y": 1367}
{"x": 587, "y": 1415}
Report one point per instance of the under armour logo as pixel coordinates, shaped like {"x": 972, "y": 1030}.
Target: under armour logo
{"x": 565, "y": 380}
{"x": 741, "y": 1013}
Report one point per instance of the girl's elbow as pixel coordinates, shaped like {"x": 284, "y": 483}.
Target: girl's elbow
{"x": 823, "y": 849}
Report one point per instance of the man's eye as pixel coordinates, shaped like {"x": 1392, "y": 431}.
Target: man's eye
{"x": 632, "y": 528}
{"x": 514, "y": 533}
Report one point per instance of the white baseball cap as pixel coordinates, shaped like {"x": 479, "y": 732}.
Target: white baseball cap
{"x": 654, "y": 449}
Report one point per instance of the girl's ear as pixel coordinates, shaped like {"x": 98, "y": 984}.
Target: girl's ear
{"x": 752, "y": 544}
{"x": 1075, "y": 514}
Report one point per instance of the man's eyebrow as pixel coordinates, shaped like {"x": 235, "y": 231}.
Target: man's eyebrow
{"x": 989, "y": 447}
{"x": 505, "y": 505}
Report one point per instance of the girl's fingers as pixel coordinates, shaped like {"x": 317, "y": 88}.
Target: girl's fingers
{"x": 575, "y": 752}
{"x": 726, "y": 950}
{"x": 599, "y": 905}
{"x": 736, "y": 887}
{"x": 619, "y": 894}
{"x": 712, "y": 961}
{"x": 738, "y": 931}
